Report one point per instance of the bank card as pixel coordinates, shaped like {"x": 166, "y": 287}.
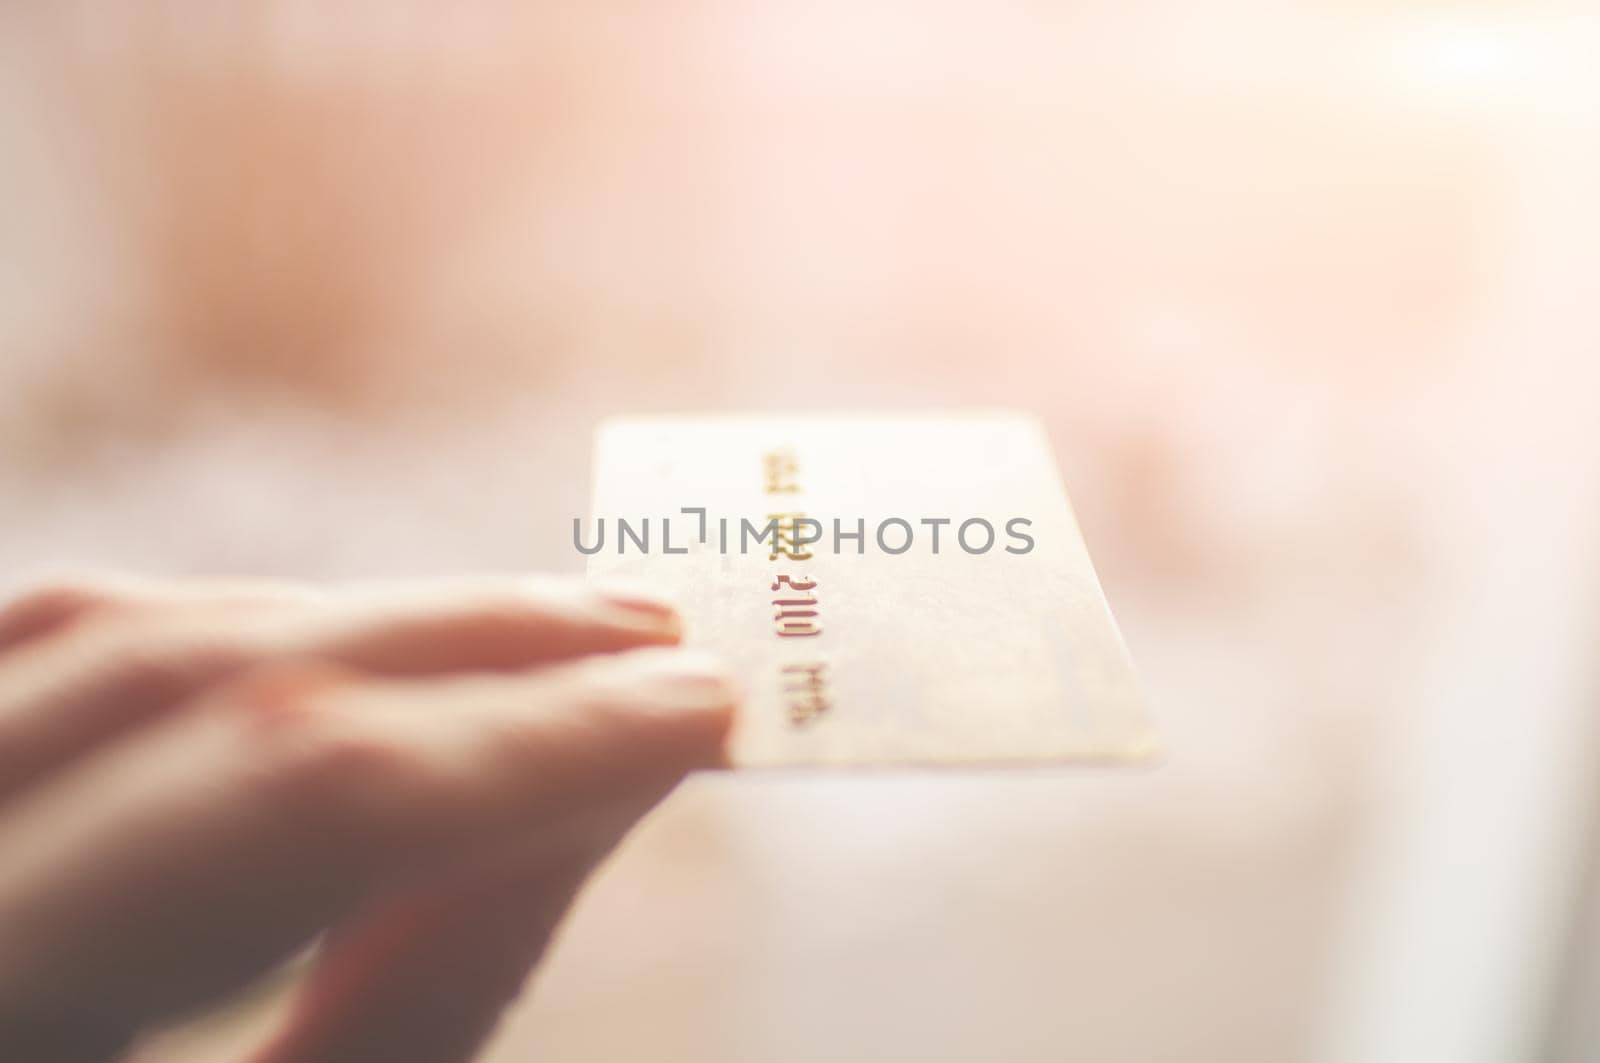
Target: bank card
{"x": 893, "y": 590}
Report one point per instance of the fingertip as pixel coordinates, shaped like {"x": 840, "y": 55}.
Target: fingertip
{"x": 641, "y": 620}
{"x": 682, "y": 700}
{"x": 634, "y": 598}
{"x": 613, "y": 604}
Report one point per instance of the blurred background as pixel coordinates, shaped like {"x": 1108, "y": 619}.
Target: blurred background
{"x": 1306, "y": 294}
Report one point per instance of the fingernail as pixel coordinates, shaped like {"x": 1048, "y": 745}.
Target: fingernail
{"x": 640, "y": 612}
{"x": 691, "y": 676}
{"x": 635, "y": 600}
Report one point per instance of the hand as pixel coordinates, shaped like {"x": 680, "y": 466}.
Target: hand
{"x": 197, "y": 780}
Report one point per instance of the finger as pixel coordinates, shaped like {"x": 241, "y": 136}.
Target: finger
{"x": 73, "y": 648}
{"x": 63, "y": 696}
{"x": 58, "y": 603}
{"x": 177, "y": 864}
{"x": 484, "y": 624}
{"x": 426, "y": 977}
{"x": 47, "y": 608}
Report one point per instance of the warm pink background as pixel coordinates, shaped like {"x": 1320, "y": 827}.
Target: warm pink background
{"x": 1307, "y": 296}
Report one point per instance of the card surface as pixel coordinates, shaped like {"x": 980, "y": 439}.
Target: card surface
{"x": 891, "y": 590}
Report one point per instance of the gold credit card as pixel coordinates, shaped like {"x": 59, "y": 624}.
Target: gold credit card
{"x": 898, "y": 589}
